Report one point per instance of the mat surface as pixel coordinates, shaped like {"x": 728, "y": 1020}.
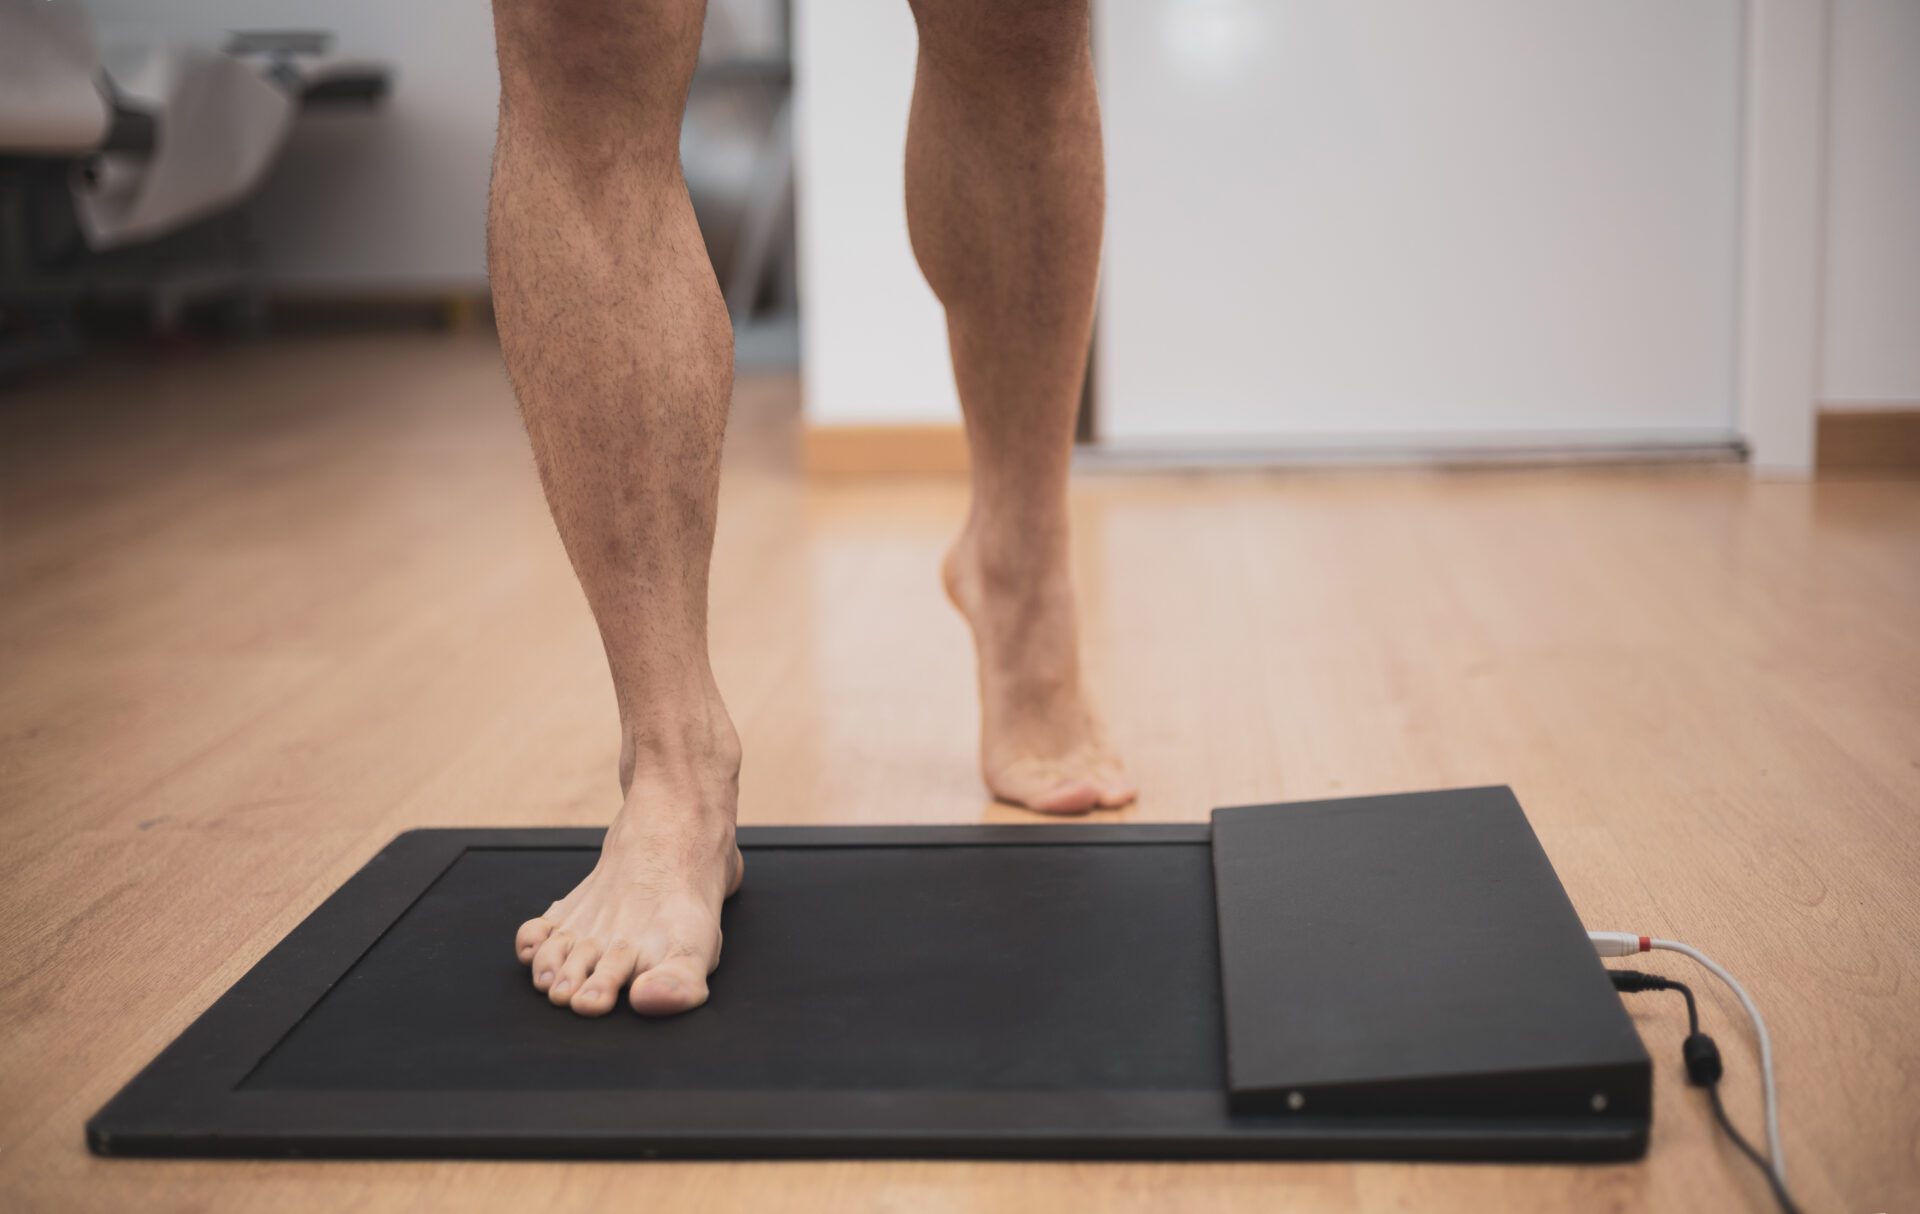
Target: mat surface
{"x": 829, "y": 951}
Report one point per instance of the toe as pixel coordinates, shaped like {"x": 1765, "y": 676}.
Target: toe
{"x": 549, "y": 957}
{"x": 602, "y": 987}
{"x": 678, "y": 984}
{"x": 1116, "y": 787}
{"x": 532, "y": 934}
{"x": 573, "y": 972}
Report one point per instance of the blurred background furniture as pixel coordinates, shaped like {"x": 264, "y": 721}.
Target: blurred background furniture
{"x": 294, "y": 198}
{"x": 125, "y": 166}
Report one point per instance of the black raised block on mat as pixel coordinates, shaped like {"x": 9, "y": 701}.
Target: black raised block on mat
{"x": 1025, "y": 991}
{"x": 1412, "y": 955}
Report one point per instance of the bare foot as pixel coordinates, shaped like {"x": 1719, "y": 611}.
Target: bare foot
{"x": 1041, "y": 744}
{"x": 649, "y": 913}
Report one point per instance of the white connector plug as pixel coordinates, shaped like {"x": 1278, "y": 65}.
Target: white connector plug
{"x": 1618, "y": 944}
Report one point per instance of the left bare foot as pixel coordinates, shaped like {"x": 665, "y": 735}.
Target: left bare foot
{"x": 1041, "y": 744}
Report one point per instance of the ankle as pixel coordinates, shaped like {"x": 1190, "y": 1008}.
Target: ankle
{"x": 686, "y": 740}
{"x": 1018, "y": 598}
{"x": 1009, "y": 560}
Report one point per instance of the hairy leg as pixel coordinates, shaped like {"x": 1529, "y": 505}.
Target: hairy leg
{"x": 1005, "y": 196}
{"x": 619, "y": 348}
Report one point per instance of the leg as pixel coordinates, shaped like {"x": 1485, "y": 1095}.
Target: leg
{"x": 1004, "y": 201}
{"x": 619, "y": 349}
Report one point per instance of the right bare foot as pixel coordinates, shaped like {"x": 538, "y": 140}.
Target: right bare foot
{"x": 647, "y": 918}
{"x": 1041, "y": 743}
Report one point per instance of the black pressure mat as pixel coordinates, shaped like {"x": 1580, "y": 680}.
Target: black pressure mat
{"x": 1397, "y": 977}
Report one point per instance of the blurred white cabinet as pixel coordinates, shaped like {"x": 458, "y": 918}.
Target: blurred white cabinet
{"x": 1406, "y": 224}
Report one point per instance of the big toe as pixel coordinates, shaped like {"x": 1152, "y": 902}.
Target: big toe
{"x": 1045, "y": 788}
{"x": 678, "y": 984}
{"x": 1070, "y": 796}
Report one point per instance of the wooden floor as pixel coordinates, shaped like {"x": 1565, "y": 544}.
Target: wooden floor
{"x": 264, "y": 609}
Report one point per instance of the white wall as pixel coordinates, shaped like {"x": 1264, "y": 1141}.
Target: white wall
{"x": 1388, "y": 223}
{"x": 873, "y": 341}
{"x": 1871, "y": 335}
{"x": 1782, "y": 187}
{"x": 393, "y": 200}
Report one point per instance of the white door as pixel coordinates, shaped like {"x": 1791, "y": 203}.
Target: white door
{"x": 1404, "y": 224}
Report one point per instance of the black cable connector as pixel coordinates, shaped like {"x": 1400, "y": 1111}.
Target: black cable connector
{"x": 1704, "y": 1069}
{"x": 1703, "y": 1060}
{"x": 1634, "y": 981}
{"x": 1637, "y": 980}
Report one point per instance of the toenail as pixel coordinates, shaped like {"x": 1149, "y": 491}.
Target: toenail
{"x": 560, "y": 988}
{"x": 546, "y": 975}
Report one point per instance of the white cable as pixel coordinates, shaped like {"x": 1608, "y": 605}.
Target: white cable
{"x": 1622, "y": 944}
{"x": 1776, "y": 1156}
